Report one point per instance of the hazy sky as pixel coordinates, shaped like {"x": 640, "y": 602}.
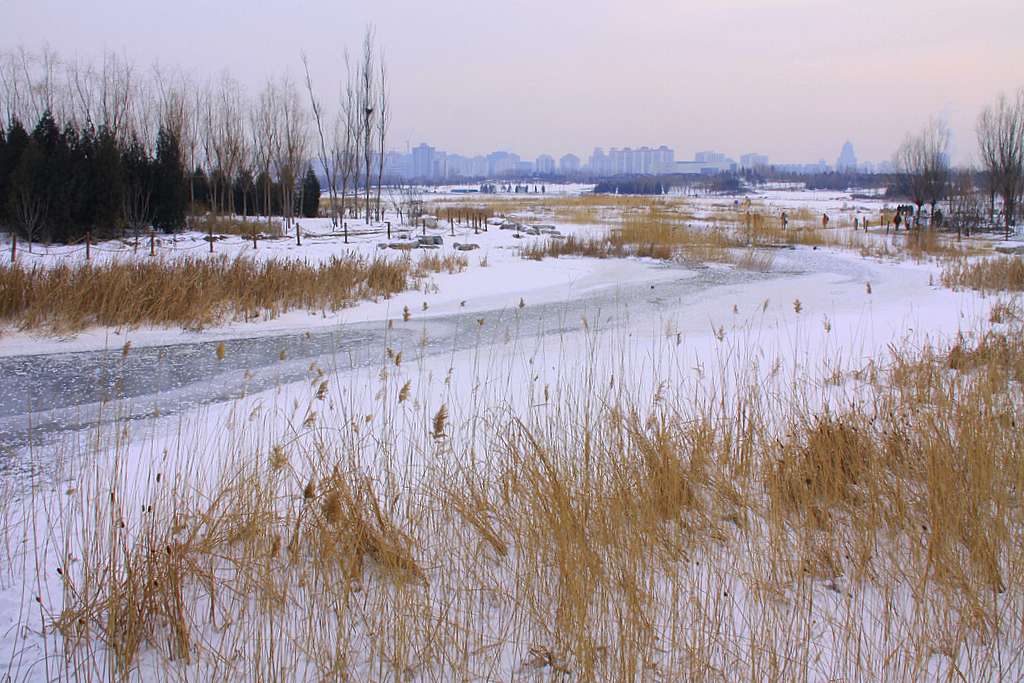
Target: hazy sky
{"x": 789, "y": 78}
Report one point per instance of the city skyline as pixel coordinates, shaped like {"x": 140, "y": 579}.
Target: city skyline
{"x": 426, "y": 161}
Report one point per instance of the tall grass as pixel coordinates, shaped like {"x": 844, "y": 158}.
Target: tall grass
{"x": 234, "y": 225}
{"x": 1000, "y": 273}
{"x": 196, "y": 292}
{"x": 746, "y": 523}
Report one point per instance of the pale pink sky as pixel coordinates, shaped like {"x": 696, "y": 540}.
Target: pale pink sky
{"x": 789, "y": 78}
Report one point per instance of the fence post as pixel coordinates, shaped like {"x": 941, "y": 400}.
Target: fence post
{"x": 389, "y": 229}
{"x": 14, "y": 245}
{"x": 88, "y": 245}
{"x": 211, "y": 238}
{"x": 253, "y": 235}
{"x": 298, "y": 235}
{"x": 152, "y": 242}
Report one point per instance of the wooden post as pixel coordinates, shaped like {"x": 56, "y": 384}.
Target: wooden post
{"x": 14, "y": 245}
{"x": 253, "y": 235}
{"x": 389, "y": 229}
{"x": 298, "y": 235}
{"x": 152, "y": 243}
{"x": 88, "y": 245}
{"x": 211, "y": 238}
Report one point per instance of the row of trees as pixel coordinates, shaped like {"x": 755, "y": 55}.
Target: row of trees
{"x": 59, "y": 183}
{"x": 234, "y": 154}
{"x": 927, "y": 177}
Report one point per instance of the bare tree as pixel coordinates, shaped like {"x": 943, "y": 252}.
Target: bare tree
{"x": 910, "y": 160}
{"x": 347, "y": 135}
{"x": 265, "y": 128}
{"x": 966, "y": 207}
{"x": 924, "y": 160}
{"x": 228, "y": 137}
{"x": 293, "y": 148}
{"x": 383, "y": 121}
{"x": 368, "y": 99}
{"x": 325, "y": 160}
{"x": 1000, "y": 133}
{"x": 936, "y": 136}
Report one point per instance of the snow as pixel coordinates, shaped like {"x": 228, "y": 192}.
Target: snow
{"x": 630, "y": 318}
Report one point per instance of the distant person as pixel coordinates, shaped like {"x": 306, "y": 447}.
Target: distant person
{"x": 898, "y": 219}
{"x": 824, "y": 220}
{"x": 856, "y": 223}
{"x": 785, "y": 220}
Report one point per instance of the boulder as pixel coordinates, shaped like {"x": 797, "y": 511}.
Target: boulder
{"x": 465, "y": 247}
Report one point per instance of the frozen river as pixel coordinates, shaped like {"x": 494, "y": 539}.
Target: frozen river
{"x": 43, "y": 397}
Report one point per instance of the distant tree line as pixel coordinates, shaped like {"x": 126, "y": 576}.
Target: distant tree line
{"x": 640, "y": 185}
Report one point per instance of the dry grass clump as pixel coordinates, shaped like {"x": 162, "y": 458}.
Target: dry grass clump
{"x": 999, "y": 273}
{"x": 243, "y": 227}
{"x": 657, "y": 239}
{"x": 196, "y": 292}
{"x": 573, "y": 245}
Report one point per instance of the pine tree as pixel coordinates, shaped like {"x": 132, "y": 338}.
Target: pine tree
{"x": 310, "y": 194}
{"x": 28, "y": 202}
{"x": 107, "y": 182}
{"x": 138, "y": 181}
{"x": 171, "y": 188}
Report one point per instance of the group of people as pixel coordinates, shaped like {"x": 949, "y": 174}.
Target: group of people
{"x": 857, "y": 222}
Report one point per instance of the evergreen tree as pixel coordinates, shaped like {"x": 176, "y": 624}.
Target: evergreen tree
{"x": 201, "y": 188}
{"x": 107, "y": 182}
{"x": 310, "y": 194}
{"x": 137, "y": 194}
{"x": 28, "y": 202}
{"x": 171, "y": 188}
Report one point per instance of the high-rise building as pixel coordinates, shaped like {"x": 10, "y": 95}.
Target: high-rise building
{"x": 545, "y": 165}
{"x": 502, "y": 163}
{"x": 753, "y": 160}
{"x": 709, "y": 157}
{"x": 423, "y": 161}
{"x": 569, "y": 164}
{"x": 847, "y": 160}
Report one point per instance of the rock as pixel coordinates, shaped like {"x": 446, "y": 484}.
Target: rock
{"x": 465, "y": 247}
{"x": 403, "y": 246}
{"x": 426, "y": 240}
{"x": 495, "y": 221}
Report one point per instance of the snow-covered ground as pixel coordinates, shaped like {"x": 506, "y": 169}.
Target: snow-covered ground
{"x": 499, "y": 334}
